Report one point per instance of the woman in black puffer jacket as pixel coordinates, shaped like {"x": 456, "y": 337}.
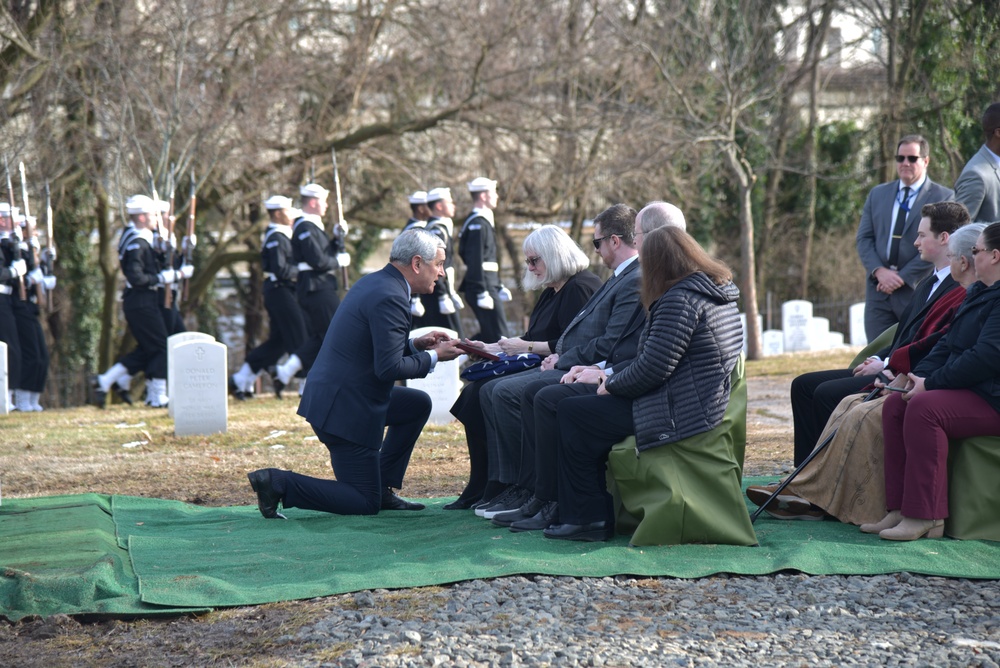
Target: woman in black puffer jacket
{"x": 677, "y": 385}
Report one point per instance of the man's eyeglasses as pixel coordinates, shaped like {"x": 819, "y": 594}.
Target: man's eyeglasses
{"x": 977, "y": 251}
{"x": 597, "y": 242}
{"x": 532, "y": 261}
{"x": 907, "y": 158}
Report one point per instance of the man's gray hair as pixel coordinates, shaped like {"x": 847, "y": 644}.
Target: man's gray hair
{"x": 660, "y": 214}
{"x": 412, "y": 243}
{"x": 961, "y": 241}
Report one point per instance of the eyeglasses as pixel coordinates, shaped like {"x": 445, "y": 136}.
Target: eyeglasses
{"x": 977, "y": 251}
{"x": 532, "y": 261}
{"x": 597, "y": 242}
{"x": 908, "y": 158}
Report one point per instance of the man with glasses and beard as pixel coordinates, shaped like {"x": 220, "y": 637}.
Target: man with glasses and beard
{"x": 887, "y": 231}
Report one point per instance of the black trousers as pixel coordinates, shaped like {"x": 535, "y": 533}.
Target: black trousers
{"x": 493, "y": 323}
{"x": 8, "y": 334}
{"x": 34, "y": 351}
{"x": 362, "y": 470}
{"x": 541, "y": 432}
{"x": 588, "y": 427}
{"x": 468, "y": 409}
{"x": 814, "y": 397}
{"x": 287, "y": 328}
{"x": 318, "y": 308}
{"x": 143, "y": 313}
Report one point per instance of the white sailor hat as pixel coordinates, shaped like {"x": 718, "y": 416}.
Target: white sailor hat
{"x": 419, "y": 197}
{"x": 481, "y": 184}
{"x": 314, "y": 190}
{"x": 4, "y": 209}
{"x": 278, "y": 202}
{"x": 163, "y": 204}
{"x": 30, "y": 220}
{"x": 141, "y": 204}
{"x": 435, "y": 194}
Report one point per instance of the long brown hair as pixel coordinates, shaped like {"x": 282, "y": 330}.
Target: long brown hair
{"x": 669, "y": 254}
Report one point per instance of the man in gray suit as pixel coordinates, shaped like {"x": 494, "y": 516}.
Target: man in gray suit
{"x": 978, "y": 186}
{"x": 588, "y": 339}
{"x": 887, "y": 231}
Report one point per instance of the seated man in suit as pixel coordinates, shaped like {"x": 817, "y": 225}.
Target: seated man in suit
{"x": 815, "y": 395}
{"x": 351, "y": 397}
{"x": 586, "y": 340}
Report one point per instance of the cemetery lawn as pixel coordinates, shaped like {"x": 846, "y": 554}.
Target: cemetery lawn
{"x": 133, "y": 451}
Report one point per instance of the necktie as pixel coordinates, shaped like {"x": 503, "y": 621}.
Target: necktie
{"x": 897, "y": 229}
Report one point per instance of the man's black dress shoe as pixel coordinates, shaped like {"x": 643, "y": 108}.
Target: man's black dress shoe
{"x": 595, "y": 531}
{"x": 267, "y": 498}
{"x": 279, "y": 387}
{"x": 527, "y": 509}
{"x": 462, "y": 504}
{"x": 123, "y": 394}
{"x": 543, "y": 519}
{"x": 392, "y": 502}
{"x": 96, "y": 396}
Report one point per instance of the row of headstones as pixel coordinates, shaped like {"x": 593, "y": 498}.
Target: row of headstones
{"x": 197, "y": 383}
{"x": 800, "y": 331}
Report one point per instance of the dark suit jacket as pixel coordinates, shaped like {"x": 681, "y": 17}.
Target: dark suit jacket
{"x": 365, "y": 351}
{"x": 589, "y": 337}
{"x": 978, "y": 187}
{"x": 915, "y": 313}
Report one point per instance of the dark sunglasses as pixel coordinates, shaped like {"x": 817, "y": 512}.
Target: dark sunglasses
{"x": 597, "y": 242}
{"x": 908, "y": 158}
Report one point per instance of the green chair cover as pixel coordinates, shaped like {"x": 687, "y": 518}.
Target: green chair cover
{"x": 973, "y": 494}
{"x": 689, "y": 491}
{"x": 880, "y": 342}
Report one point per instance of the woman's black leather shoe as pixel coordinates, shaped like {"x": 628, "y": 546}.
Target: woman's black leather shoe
{"x": 595, "y": 531}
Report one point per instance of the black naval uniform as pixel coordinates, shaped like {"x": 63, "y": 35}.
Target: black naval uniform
{"x": 143, "y": 303}
{"x": 316, "y": 286}
{"x": 34, "y": 351}
{"x": 477, "y": 245}
{"x": 287, "y": 324}
{"x": 10, "y": 252}
{"x": 442, "y": 229}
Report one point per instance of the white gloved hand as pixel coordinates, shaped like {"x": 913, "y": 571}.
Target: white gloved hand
{"x": 417, "y": 307}
{"x": 36, "y": 275}
{"x": 186, "y": 270}
{"x": 344, "y": 259}
{"x": 189, "y": 242}
{"x": 457, "y": 301}
{"x": 18, "y": 268}
{"x": 168, "y": 276}
{"x": 49, "y": 254}
{"x": 484, "y": 301}
{"x": 49, "y": 283}
{"x": 504, "y": 295}
{"x": 445, "y": 305}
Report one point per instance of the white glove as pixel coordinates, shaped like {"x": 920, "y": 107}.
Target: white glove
{"x": 18, "y": 268}
{"x": 35, "y": 275}
{"x": 186, "y": 271}
{"x": 168, "y": 276}
{"x": 457, "y": 301}
{"x": 445, "y": 305}
{"x": 484, "y": 301}
{"x": 49, "y": 283}
{"x": 504, "y": 295}
{"x": 49, "y": 254}
{"x": 344, "y": 259}
{"x": 189, "y": 242}
{"x": 417, "y": 307}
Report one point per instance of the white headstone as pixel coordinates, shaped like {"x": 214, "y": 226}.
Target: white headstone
{"x": 796, "y": 316}
{"x": 819, "y": 332}
{"x": 200, "y": 398}
{"x": 172, "y": 343}
{"x": 443, "y": 385}
{"x": 834, "y": 340}
{"x": 856, "y": 315}
{"x": 773, "y": 342}
{"x": 4, "y": 381}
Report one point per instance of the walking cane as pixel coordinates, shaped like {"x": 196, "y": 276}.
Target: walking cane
{"x": 812, "y": 455}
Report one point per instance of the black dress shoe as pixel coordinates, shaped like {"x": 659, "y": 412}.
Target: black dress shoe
{"x": 124, "y": 395}
{"x": 279, "y": 387}
{"x": 595, "y": 531}
{"x": 543, "y": 519}
{"x": 267, "y": 498}
{"x": 462, "y": 504}
{"x": 527, "y": 509}
{"x": 96, "y": 396}
{"x": 392, "y": 502}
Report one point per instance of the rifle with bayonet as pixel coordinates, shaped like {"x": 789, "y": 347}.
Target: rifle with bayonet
{"x": 16, "y": 248}
{"x": 188, "y": 247}
{"x": 50, "y": 246}
{"x": 339, "y": 237}
{"x": 29, "y": 233}
{"x": 171, "y": 249}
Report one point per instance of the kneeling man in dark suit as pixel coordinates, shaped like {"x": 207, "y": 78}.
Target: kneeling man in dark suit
{"x": 350, "y": 396}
